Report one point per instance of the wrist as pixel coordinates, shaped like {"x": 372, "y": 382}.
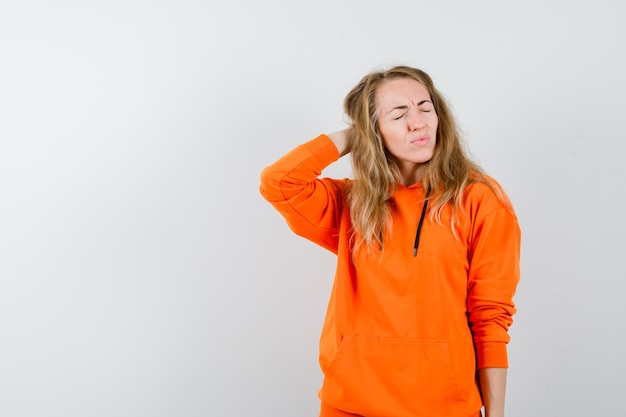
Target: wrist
{"x": 341, "y": 141}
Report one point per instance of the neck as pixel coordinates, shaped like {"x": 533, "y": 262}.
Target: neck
{"x": 410, "y": 174}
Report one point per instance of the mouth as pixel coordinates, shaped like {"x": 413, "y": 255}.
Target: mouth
{"x": 423, "y": 140}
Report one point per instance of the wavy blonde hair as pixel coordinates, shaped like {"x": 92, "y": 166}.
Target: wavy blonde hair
{"x": 376, "y": 172}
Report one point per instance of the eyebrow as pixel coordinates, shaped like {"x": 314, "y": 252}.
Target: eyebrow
{"x": 404, "y": 106}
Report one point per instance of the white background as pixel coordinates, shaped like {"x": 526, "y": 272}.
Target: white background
{"x": 141, "y": 273}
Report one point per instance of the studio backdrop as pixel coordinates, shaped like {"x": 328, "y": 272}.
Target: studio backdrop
{"x": 141, "y": 272}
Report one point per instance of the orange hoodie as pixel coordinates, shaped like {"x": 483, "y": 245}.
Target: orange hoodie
{"x": 403, "y": 334}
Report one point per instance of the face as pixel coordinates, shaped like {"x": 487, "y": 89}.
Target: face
{"x": 408, "y": 123}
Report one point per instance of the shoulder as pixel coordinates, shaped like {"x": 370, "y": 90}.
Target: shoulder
{"x": 484, "y": 195}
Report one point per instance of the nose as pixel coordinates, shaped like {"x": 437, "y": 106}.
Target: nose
{"x": 416, "y": 120}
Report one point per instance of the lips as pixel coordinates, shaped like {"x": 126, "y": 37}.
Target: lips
{"x": 422, "y": 140}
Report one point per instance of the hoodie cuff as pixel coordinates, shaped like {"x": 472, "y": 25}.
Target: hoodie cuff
{"x": 492, "y": 355}
{"x": 324, "y": 150}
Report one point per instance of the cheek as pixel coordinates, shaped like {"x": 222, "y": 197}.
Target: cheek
{"x": 383, "y": 129}
{"x": 435, "y": 127}
{"x": 385, "y": 134}
{"x": 390, "y": 134}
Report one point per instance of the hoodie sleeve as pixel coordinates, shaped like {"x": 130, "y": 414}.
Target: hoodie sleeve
{"x": 310, "y": 205}
{"x": 493, "y": 277}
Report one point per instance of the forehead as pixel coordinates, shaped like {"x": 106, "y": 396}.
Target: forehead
{"x": 400, "y": 91}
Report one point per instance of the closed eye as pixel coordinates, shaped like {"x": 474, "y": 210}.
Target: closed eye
{"x": 425, "y": 106}
{"x": 399, "y": 117}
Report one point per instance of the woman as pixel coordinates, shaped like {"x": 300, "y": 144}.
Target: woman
{"x": 427, "y": 251}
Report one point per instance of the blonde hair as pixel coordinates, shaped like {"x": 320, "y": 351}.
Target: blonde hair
{"x": 376, "y": 173}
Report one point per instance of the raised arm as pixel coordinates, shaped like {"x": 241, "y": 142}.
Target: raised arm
{"x": 312, "y": 206}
